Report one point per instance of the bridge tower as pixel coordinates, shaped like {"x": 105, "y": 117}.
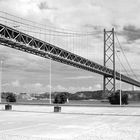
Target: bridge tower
{"x": 109, "y": 61}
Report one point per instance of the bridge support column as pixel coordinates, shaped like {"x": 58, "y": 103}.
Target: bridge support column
{"x": 109, "y": 61}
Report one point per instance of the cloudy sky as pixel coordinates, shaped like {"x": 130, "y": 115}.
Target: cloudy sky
{"x": 23, "y": 72}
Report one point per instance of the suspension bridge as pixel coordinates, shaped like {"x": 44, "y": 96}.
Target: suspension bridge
{"x": 13, "y": 36}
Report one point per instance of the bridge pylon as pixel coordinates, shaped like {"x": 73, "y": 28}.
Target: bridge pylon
{"x": 109, "y": 61}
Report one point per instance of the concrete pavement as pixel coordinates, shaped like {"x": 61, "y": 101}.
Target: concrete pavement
{"x": 73, "y": 123}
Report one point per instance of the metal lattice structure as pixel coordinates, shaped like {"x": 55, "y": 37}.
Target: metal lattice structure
{"x": 109, "y": 61}
{"x": 18, "y": 40}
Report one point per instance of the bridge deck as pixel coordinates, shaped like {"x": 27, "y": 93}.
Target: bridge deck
{"x": 18, "y": 40}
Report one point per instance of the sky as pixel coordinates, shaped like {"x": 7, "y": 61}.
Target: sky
{"x": 22, "y": 72}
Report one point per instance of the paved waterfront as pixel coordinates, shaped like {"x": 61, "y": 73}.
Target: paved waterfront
{"x": 73, "y": 123}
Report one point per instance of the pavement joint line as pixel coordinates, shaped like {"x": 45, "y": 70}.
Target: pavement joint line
{"x": 37, "y": 137}
{"x": 43, "y": 112}
{"x": 102, "y": 114}
{"x": 17, "y": 115}
{"x": 73, "y": 113}
{"x": 88, "y": 131}
{"x": 20, "y": 128}
{"x": 75, "y": 105}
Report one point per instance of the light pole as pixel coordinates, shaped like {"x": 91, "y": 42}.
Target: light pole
{"x": 50, "y": 80}
{"x": 120, "y": 89}
{"x": 133, "y": 87}
{"x": 1, "y": 62}
{"x": 120, "y": 80}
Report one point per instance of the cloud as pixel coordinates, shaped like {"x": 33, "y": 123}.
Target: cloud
{"x": 59, "y": 88}
{"x": 131, "y": 32}
{"x": 84, "y": 88}
{"x": 33, "y": 87}
{"x": 97, "y": 87}
{"x": 40, "y": 88}
{"x": 15, "y": 83}
{"x": 71, "y": 13}
{"x": 5, "y": 84}
{"x": 44, "y": 6}
{"x": 80, "y": 77}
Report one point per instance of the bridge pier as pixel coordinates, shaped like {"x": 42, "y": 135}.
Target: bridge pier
{"x": 109, "y": 61}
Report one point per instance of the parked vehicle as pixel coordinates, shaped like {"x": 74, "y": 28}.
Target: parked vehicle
{"x": 115, "y": 98}
{"x": 11, "y": 97}
{"x": 60, "y": 98}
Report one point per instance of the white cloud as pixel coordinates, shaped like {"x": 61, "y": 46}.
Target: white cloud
{"x": 97, "y": 87}
{"x": 5, "y": 84}
{"x": 136, "y": 88}
{"x": 15, "y": 83}
{"x": 60, "y": 88}
{"x": 34, "y": 87}
{"x": 83, "y": 88}
{"x": 76, "y": 13}
{"x": 39, "y": 88}
{"x": 80, "y": 77}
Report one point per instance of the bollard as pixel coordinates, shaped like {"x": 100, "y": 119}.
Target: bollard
{"x": 8, "y": 107}
{"x": 57, "y": 109}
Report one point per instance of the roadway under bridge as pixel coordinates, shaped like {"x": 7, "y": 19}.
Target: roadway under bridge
{"x": 18, "y": 40}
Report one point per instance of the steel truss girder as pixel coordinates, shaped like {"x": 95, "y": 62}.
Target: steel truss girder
{"x": 18, "y": 40}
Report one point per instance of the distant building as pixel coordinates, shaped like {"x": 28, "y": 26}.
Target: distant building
{"x": 24, "y": 96}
